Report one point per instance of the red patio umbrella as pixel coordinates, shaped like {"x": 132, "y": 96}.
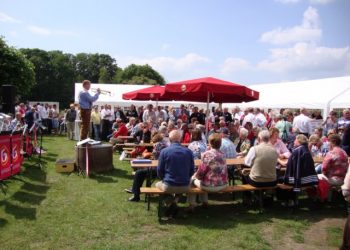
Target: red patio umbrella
{"x": 209, "y": 89}
{"x": 150, "y": 93}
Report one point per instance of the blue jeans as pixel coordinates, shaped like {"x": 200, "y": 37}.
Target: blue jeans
{"x": 97, "y": 131}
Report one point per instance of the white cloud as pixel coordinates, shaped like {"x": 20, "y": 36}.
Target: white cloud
{"x": 308, "y": 31}
{"x": 49, "y": 32}
{"x": 168, "y": 63}
{"x": 232, "y": 65}
{"x": 8, "y": 19}
{"x": 305, "y": 59}
{"x": 310, "y": 1}
{"x": 171, "y": 67}
{"x": 166, "y": 46}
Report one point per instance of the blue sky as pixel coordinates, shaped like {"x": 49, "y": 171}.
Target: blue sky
{"x": 247, "y": 41}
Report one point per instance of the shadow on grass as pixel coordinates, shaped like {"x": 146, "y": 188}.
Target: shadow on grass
{"x": 111, "y": 176}
{"x": 234, "y": 213}
{"x": 24, "y": 202}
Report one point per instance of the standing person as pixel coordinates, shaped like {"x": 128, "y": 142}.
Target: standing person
{"x": 228, "y": 116}
{"x": 344, "y": 120}
{"x": 70, "y": 121}
{"x": 302, "y": 122}
{"x": 331, "y": 122}
{"x": 85, "y": 102}
{"x": 96, "y": 122}
{"x": 346, "y": 193}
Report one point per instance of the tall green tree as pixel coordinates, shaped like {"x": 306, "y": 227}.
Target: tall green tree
{"x": 54, "y": 75}
{"x": 90, "y": 66}
{"x": 140, "y": 74}
{"x": 16, "y": 69}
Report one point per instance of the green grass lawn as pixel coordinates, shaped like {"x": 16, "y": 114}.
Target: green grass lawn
{"x": 43, "y": 209}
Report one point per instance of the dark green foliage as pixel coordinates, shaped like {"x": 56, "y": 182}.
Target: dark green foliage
{"x": 50, "y": 75}
{"x": 16, "y": 69}
{"x": 140, "y": 74}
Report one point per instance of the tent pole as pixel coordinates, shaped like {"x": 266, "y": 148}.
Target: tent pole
{"x": 328, "y": 106}
{"x": 207, "y": 117}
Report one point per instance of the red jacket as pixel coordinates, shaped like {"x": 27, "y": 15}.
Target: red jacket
{"x": 122, "y": 131}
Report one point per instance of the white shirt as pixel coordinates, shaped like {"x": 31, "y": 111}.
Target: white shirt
{"x": 260, "y": 120}
{"x": 250, "y": 117}
{"x": 43, "y": 114}
{"x": 149, "y": 115}
{"x": 162, "y": 114}
{"x": 302, "y": 123}
{"x": 248, "y": 160}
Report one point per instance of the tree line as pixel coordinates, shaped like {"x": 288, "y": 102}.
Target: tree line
{"x": 41, "y": 75}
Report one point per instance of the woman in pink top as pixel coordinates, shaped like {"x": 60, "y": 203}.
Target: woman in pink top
{"x": 335, "y": 163}
{"x": 277, "y": 143}
{"x": 212, "y": 173}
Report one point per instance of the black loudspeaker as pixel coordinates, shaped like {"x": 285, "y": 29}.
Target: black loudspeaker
{"x": 8, "y": 98}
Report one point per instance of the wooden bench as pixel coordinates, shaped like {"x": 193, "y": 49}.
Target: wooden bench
{"x": 148, "y": 191}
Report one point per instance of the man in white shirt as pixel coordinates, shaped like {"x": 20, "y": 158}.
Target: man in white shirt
{"x": 260, "y": 118}
{"x": 250, "y": 117}
{"x": 149, "y": 114}
{"x": 161, "y": 113}
{"x": 302, "y": 123}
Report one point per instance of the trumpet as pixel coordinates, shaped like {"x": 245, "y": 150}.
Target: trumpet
{"x": 103, "y": 92}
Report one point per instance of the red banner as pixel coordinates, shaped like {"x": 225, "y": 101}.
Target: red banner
{"x": 17, "y": 157}
{"x": 5, "y": 157}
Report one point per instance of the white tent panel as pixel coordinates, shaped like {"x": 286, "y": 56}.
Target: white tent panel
{"x": 313, "y": 94}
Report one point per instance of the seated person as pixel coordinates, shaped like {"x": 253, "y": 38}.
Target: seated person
{"x": 227, "y": 146}
{"x": 141, "y": 174}
{"x": 335, "y": 163}
{"x": 211, "y": 175}
{"x": 186, "y": 135}
{"x": 197, "y": 146}
{"x": 175, "y": 168}
{"x": 131, "y": 124}
{"x": 242, "y": 143}
{"x": 300, "y": 169}
{"x": 315, "y": 145}
{"x": 262, "y": 159}
{"x": 122, "y": 131}
{"x": 280, "y": 147}
{"x": 142, "y": 136}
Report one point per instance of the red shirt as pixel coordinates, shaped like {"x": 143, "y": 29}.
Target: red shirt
{"x": 122, "y": 131}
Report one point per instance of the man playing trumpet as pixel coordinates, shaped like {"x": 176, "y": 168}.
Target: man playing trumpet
{"x": 85, "y": 102}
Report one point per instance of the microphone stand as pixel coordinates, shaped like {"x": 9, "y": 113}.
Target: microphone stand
{"x": 39, "y": 163}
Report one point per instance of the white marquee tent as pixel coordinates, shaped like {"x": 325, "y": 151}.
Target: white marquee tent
{"x": 325, "y": 94}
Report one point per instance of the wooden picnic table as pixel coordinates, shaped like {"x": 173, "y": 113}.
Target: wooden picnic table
{"x": 134, "y": 145}
{"x": 125, "y": 137}
{"x": 154, "y": 163}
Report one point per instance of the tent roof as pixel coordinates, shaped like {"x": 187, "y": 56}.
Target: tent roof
{"x": 313, "y": 94}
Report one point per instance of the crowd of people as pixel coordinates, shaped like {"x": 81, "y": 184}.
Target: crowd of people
{"x": 41, "y": 115}
{"x": 267, "y": 141}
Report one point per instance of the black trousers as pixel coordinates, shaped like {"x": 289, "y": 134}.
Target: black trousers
{"x": 139, "y": 178}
